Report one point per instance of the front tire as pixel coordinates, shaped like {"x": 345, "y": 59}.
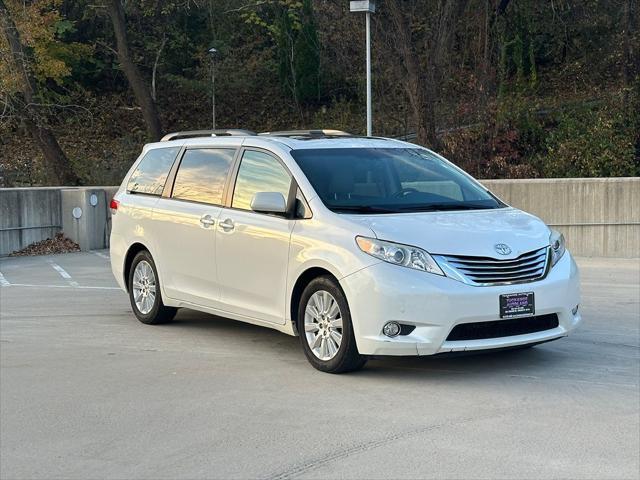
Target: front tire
{"x": 326, "y": 331}
{"x": 144, "y": 291}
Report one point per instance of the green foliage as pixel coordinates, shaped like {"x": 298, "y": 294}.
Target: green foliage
{"x": 291, "y": 26}
{"x": 341, "y": 114}
{"x": 518, "y": 50}
{"x": 46, "y": 35}
{"x": 307, "y": 57}
{"x": 536, "y": 91}
{"x": 590, "y": 142}
{"x": 583, "y": 139}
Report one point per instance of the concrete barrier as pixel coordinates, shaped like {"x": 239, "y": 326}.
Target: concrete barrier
{"x": 29, "y": 215}
{"x": 86, "y": 218}
{"x": 600, "y": 217}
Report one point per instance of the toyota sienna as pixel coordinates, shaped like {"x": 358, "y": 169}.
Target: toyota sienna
{"x": 360, "y": 246}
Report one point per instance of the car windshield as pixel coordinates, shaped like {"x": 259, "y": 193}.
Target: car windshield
{"x": 389, "y": 180}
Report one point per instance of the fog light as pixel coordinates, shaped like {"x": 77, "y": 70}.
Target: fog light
{"x": 391, "y": 329}
{"x": 575, "y": 310}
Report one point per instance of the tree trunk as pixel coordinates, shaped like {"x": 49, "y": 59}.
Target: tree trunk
{"x": 485, "y": 40}
{"x": 131, "y": 71}
{"x": 631, "y": 60}
{"x": 56, "y": 164}
{"x": 416, "y": 83}
{"x": 631, "y": 71}
{"x": 422, "y": 84}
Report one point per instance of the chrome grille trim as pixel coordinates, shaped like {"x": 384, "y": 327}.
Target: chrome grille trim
{"x": 511, "y": 266}
{"x": 525, "y": 257}
{"x": 488, "y": 271}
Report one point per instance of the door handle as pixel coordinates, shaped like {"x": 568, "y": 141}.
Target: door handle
{"x": 206, "y": 221}
{"x": 227, "y": 225}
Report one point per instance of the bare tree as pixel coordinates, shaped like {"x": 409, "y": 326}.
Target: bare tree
{"x": 56, "y": 164}
{"x": 422, "y": 33}
{"x": 131, "y": 71}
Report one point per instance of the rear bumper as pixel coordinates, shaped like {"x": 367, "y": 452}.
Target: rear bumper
{"x": 435, "y": 304}
{"x": 117, "y": 252}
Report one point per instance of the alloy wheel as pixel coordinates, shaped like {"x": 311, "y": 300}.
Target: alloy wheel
{"x": 144, "y": 287}
{"x": 323, "y": 325}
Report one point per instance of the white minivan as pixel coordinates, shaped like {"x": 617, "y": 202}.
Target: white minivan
{"x": 361, "y": 246}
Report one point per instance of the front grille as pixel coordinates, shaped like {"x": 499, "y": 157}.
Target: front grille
{"x": 491, "y": 271}
{"x": 503, "y": 328}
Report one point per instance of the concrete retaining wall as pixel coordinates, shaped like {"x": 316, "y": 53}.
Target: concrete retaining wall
{"x": 28, "y": 215}
{"x": 599, "y": 217}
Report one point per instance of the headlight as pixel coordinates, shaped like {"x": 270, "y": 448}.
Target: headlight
{"x": 556, "y": 240}
{"x": 398, "y": 254}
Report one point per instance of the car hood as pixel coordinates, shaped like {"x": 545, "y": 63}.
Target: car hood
{"x": 467, "y": 232}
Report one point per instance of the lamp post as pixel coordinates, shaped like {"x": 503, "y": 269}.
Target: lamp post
{"x": 369, "y": 7}
{"x": 212, "y": 53}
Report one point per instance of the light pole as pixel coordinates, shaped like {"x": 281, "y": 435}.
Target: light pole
{"x": 212, "y": 53}
{"x": 369, "y": 7}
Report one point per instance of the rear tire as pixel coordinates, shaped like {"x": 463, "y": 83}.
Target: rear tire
{"x": 326, "y": 331}
{"x": 144, "y": 291}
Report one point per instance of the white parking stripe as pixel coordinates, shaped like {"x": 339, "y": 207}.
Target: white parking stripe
{"x": 3, "y": 281}
{"x": 102, "y": 255}
{"x": 62, "y": 286}
{"x": 63, "y": 273}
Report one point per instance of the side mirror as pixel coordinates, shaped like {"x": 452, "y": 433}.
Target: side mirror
{"x": 269, "y": 202}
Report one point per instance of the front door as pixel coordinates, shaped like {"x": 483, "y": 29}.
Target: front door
{"x": 253, "y": 248}
{"x": 186, "y": 223}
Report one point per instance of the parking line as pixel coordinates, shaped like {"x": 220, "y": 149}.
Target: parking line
{"x": 3, "y": 281}
{"x": 62, "y": 286}
{"x": 63, "y": 273}
{"x": 102, "y": 255}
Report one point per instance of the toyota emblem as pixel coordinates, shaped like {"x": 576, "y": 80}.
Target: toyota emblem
{"x": 502, "y": 248}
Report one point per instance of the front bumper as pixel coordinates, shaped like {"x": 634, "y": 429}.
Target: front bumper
{"x": 435, "y": 304}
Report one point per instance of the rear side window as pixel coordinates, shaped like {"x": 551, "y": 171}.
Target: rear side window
{"x": 152, "y": 171}
{"x": 259, "y": 172}
{"x": 202, "y": 175}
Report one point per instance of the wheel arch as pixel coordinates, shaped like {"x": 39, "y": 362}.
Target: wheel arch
{"x": 301, "y": 283}
{"x": 133, "y": 250}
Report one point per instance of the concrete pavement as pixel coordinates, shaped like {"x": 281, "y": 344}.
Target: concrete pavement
{"x": 86, "y": 391}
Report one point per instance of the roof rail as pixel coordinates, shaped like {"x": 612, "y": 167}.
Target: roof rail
{"x": 231, "y": 132}
{"x": 308, "y": 133}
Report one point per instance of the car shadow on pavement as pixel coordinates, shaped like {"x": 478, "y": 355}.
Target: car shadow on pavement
{"x": 517, "y": 363}
{"x": 529, "y": 363}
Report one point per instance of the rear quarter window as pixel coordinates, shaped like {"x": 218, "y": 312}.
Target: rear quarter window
{"x": 152, "y": 171}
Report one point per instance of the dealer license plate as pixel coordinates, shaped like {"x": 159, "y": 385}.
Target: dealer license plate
{"x": 517, "y": 305}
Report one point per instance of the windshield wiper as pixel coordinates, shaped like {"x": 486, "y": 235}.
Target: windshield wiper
{"x": 433, "y": 207}
{"x": 361, "y": 209}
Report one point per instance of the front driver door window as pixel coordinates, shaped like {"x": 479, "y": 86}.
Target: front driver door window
{"x": 259, "y": 172}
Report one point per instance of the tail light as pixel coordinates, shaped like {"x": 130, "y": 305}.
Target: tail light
{"x": 113, "y": 205}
